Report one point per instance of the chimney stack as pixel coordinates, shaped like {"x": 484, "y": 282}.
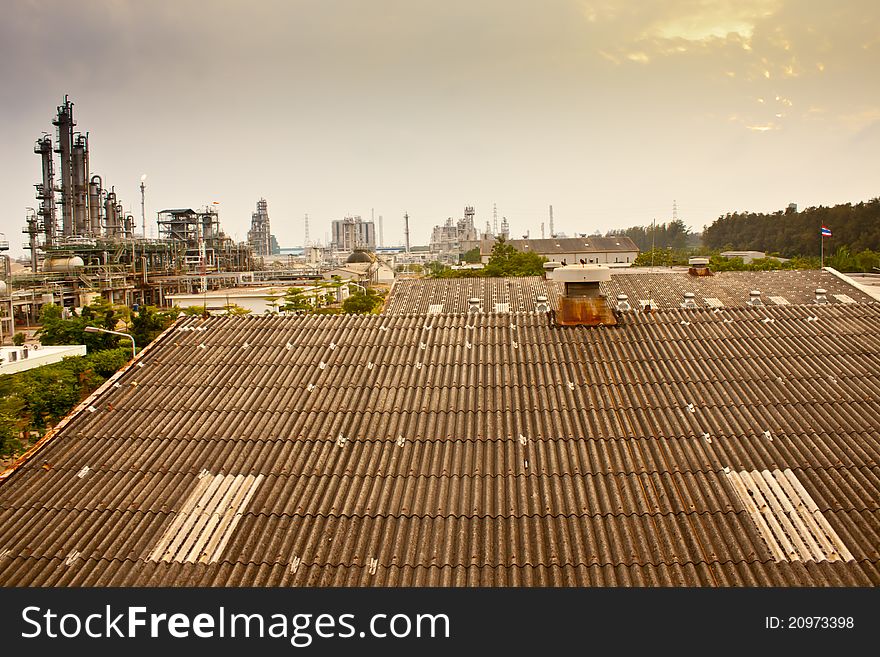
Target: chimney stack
{"x": 623, "y": 303}
{"x": 689, "y": 300}
{"x": 583, "y": 303}
{"x": 820, "y": 296}
{"x": 474, "y": 305}
{"x": 699, "y": 266}
{"x": 755, "y": 298}
{"x": 542, "y": 305}
{"x": 549, "y": 267}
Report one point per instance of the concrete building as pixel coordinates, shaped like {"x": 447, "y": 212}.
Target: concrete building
{"x": 353, "y": 233}
{"x": 18, "y": 359}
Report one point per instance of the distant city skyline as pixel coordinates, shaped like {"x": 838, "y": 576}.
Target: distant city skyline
{"x": 608, "y": 110}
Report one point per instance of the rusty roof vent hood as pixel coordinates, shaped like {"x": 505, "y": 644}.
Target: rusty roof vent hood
{"x": 699, "y": 266}
{"x": 583, "y": 303}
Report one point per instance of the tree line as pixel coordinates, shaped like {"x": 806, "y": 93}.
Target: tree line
{"x": 790, "y": 233}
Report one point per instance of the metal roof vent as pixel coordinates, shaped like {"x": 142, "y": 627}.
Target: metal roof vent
{"x": 699, "y": 266}
{"x": 820, "y": 295}
{"x": 689, "y": 300}
{"x": 542, "y": 306}
{"x": 583, "y": 303}
{"x": 623, "y": 303}
{"x": 755, "y": 298}
{"x": 474, "y": 305}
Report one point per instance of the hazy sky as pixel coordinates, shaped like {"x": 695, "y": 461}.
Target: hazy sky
{"x": 607, "y": 109}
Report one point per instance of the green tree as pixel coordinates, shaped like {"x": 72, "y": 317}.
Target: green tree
{"x": 56, "y": 329}
{"x": 507, "y": 261}
{"x": 295, "y": 301}
{"x": 148, "y": 322}
{"x": 18, "y": 339}
{"x": 361, "y": 303}
{"x": 472, "y": 256}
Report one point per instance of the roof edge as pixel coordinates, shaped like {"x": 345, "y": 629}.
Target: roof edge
{"x": 84, "y": 404}
{"x": 867, "y": 289}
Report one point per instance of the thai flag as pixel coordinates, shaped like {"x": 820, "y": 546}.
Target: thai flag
{"x": 826, "y": 232}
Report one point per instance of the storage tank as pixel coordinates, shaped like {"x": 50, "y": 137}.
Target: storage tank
{"x": 63, "y": 264}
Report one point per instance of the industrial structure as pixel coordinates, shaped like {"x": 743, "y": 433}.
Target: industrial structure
{"x": 260, "y": 237}
{"x": 451, "y": 240}
{"x": 83, "y": 243}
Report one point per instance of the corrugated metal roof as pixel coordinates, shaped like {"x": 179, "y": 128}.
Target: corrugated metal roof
{"x": 582, "y": 456}
{"x": 666, "y": 290}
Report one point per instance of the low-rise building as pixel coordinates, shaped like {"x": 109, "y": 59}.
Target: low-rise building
{"x": 27, "y": 357}
{"x": 613, "y": 251}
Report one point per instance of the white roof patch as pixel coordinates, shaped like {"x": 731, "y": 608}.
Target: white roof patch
{"x": 199, "y": 532}
{"x": 787, "y": 517}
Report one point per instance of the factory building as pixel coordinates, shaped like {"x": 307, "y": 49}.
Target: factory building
{"x": 613, "y": 251}
{"x": 453, "y": 441}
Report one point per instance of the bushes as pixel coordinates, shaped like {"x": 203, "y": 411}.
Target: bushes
{"x": 36, "y": 399}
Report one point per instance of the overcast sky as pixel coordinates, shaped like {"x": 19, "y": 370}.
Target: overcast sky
{"x": 608, "y": 110}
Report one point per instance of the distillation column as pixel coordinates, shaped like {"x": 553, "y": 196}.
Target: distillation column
{"x": 46, "y": 189}
{"x": 64, "y": 122}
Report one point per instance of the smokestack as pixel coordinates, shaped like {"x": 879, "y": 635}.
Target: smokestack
{"x": 699, "y": 266}
{"x": 583, "y": 303}
{"x": 406, "y": 229}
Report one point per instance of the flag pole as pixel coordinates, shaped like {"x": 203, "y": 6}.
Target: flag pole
{"x": 821, "y": 249}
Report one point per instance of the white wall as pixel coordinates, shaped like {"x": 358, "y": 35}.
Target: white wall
{"x": 37, "y": 357}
